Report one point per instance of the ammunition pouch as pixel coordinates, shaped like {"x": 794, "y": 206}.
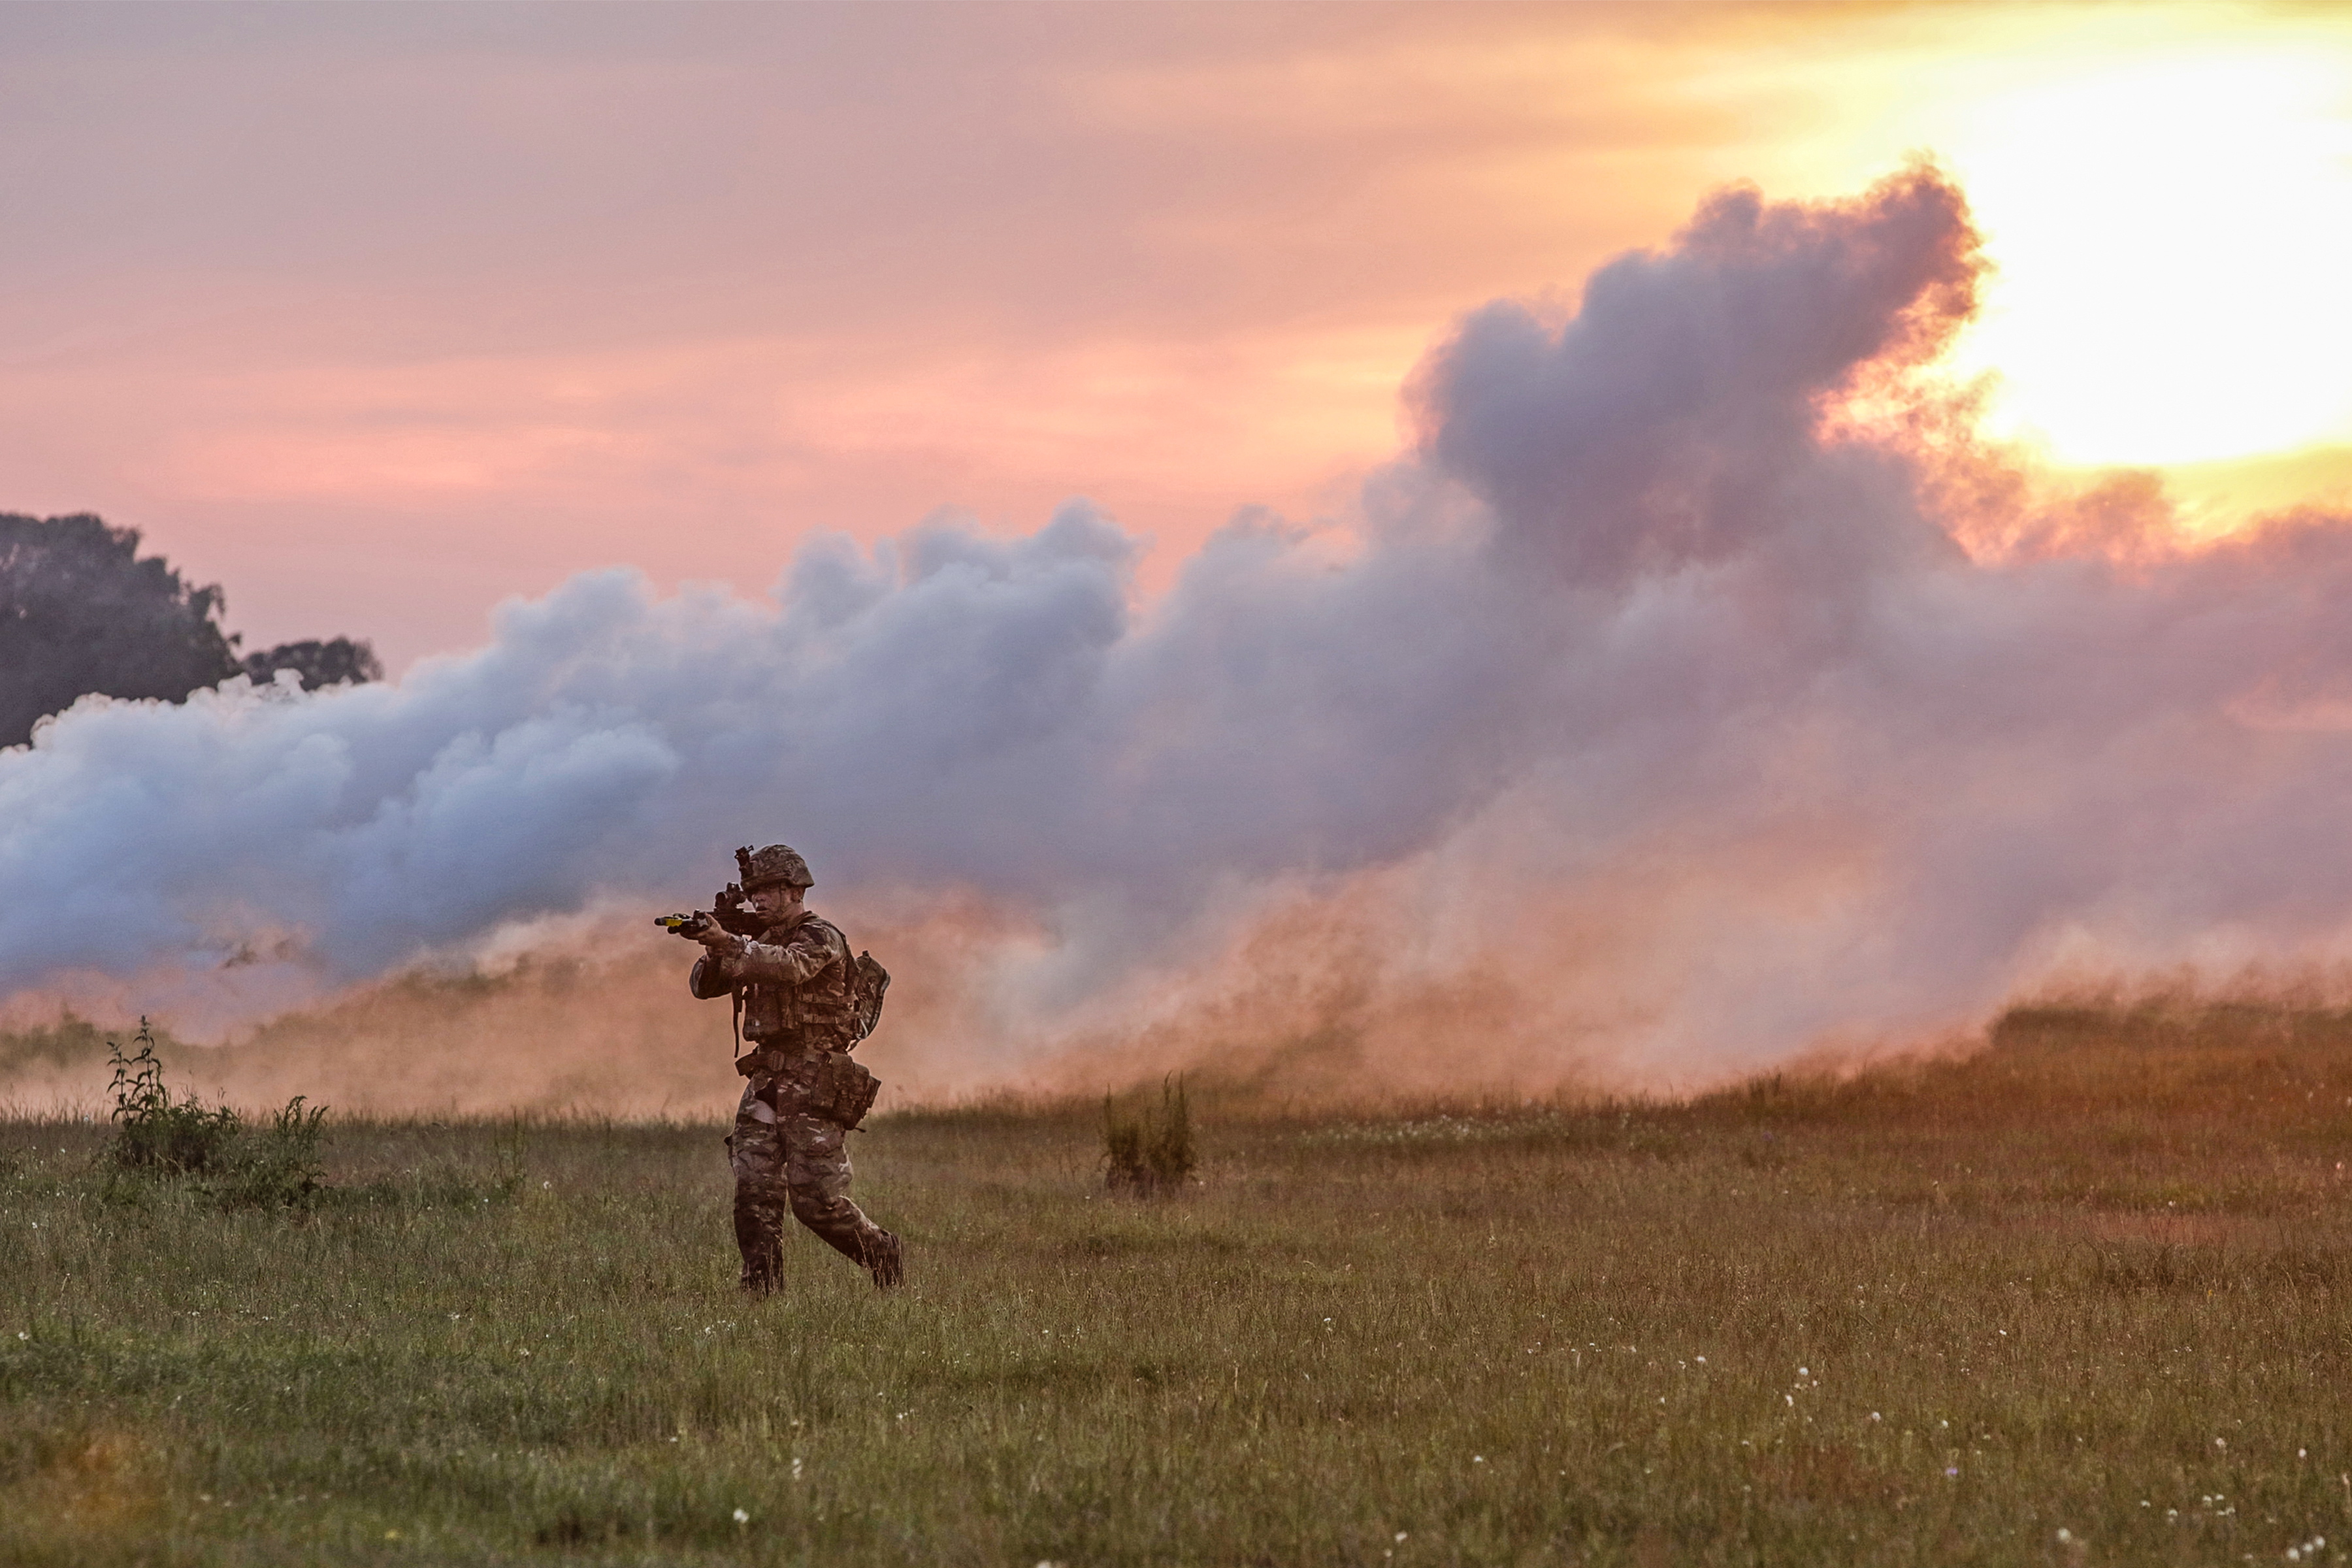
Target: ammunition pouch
{"x": 832, "y": 1084}
{"x": 846, "y": 1089}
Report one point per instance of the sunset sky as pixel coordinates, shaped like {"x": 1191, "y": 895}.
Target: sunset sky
{"x": 378, "y": 315}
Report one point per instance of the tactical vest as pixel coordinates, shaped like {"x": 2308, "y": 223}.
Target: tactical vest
{"x": 814, "y": 1017}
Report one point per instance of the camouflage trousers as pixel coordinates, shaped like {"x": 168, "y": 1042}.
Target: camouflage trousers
{"x": 795, "y": 1164}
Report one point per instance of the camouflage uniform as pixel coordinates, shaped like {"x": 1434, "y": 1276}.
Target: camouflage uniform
{"x": 794, "y": 981}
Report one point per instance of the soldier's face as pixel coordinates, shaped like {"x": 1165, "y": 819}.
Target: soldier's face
{"x": 773, "y": 901}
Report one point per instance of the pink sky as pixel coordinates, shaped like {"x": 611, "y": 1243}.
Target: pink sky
{"x": 380, "y": 315}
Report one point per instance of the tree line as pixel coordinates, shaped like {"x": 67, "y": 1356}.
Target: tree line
{"x": 81, "y": 611}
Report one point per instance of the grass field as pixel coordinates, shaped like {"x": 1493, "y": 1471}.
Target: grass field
{"x": 2086, "y": 1297}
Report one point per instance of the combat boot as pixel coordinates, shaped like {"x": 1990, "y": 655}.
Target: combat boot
{"x": 885, "y": 1259}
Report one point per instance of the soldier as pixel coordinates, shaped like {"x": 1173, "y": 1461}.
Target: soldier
{"x": 794, "y": 983}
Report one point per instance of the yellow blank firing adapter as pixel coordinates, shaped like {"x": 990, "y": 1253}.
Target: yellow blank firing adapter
{"x": 681, "y": 925}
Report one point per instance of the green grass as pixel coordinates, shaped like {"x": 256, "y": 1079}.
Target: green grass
{"x": 2097, "y": 1279}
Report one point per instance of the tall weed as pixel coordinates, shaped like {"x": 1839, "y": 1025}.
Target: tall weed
{"x": 1149, "y": 1151}
{"x": 152, "y": 1131}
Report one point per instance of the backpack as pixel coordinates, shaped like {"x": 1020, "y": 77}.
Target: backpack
{"x": 867, "y": 981}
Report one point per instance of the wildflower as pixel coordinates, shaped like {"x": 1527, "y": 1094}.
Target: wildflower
{"x": 2220, "y": 1442}
{"x": 741, "y": 1517}
{"x": 796, "y": 1468}
{"x": 1951, "y": 1470}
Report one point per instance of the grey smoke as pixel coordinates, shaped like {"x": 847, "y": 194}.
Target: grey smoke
{"x": 1697, "y": 718}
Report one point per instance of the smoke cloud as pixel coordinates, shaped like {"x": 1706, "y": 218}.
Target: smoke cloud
{"x": 1697, "y": 691}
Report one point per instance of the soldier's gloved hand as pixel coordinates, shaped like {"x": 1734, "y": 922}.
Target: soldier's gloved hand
{"x": 720, "y": 941}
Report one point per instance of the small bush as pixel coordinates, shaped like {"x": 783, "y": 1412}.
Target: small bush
{"x": 273, "y": 1166}
{"x": 1149, "y": 1153}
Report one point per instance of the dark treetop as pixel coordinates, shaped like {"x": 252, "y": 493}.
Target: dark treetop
{"x": 81, "y": 611}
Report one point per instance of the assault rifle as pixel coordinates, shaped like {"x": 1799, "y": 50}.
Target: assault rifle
{"x": 728, "y": 911}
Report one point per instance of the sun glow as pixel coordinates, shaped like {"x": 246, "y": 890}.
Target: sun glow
{"x": 2173, "y": 240}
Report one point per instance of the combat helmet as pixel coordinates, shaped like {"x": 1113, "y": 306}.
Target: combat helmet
{"x": 777, "y": 865}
